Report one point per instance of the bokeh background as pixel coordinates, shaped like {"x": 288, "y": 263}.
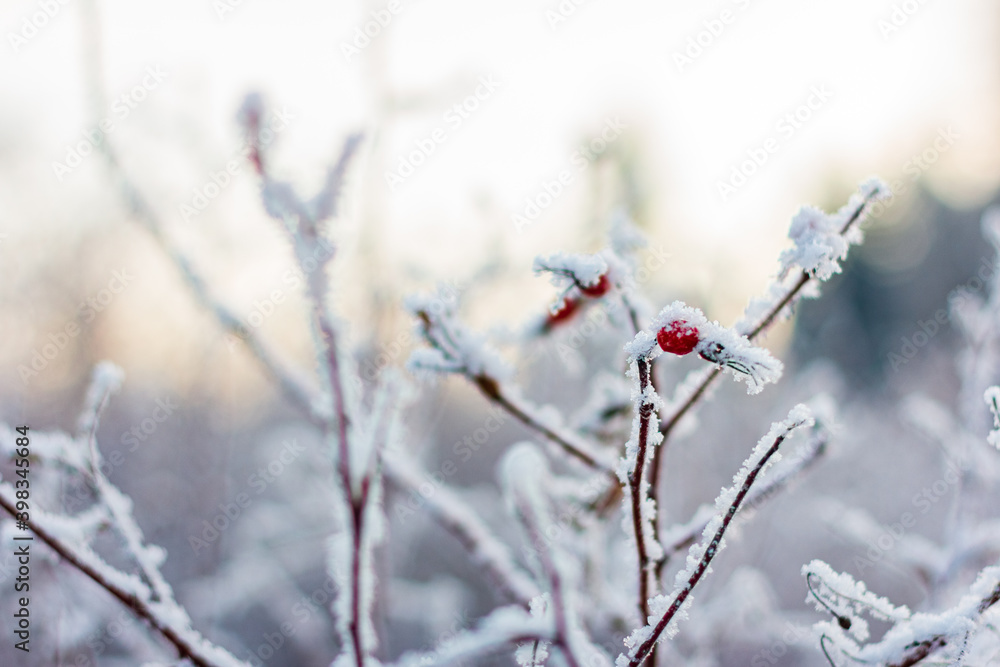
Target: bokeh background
{"x": 494, "y": 101}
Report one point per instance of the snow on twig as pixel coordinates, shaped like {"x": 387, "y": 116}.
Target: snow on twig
{"x": 668, "y": 610}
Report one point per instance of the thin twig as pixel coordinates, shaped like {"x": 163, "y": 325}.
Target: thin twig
{"x": 184, "y": 647}
{"x": 645, "y": 409}
{"x": 492, "y": 390}
{"x": 682, "y": 536}
{"x": 646, "y": 647}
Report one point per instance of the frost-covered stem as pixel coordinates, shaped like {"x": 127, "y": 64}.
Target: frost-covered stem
{"x": 184, "y": 647}
{"x": 492, "y": 390}
{"x": 925, "y": 648}
{"x": 354, "y": 499}
{"x": 804, "y": 279}
{"x": 684, "y": 535}
{"x": 713, "y": 547}
{"x": 766, "y": 321}
{"x": 645, "y": 408}
{"x": 455, "y": 516}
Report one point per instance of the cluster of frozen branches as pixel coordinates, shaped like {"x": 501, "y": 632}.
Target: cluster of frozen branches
{"x": 963, "y": 633}
{"x": 591, "y": 545}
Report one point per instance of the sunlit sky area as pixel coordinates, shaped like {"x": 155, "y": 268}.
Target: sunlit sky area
{"x": 877, "y": 85}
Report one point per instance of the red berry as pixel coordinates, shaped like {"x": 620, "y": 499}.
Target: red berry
{"x": 677, "y": 338}
{"x": 565, "y": 311}
{"x": 598, "y": 289}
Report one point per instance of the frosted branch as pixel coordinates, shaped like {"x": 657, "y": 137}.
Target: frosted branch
{"x": 670, "y": 609}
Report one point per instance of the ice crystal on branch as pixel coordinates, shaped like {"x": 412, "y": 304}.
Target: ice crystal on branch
{"x": 453, "y": 347}
{"x": 821, "y": 242}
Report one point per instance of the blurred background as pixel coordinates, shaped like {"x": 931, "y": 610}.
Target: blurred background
{"x": 493, "y": 132}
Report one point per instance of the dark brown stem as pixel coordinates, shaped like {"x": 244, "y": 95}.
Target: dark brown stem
{"x": 645, "y": 408}
{"x": 492, "y": 390}
{"x": 713, "y": 548}
{"x": 138, "y": 606}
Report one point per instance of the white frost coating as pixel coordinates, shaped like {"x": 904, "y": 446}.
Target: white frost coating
{"x": 341, "y": 557}
{"x": 454, "y": 348}
{"x": 820, "y": 246}
{"x": 642, "y": 346}
{"x": 280, "y": 199}
{"x": 570, "y": 269}
{"x": 535, "y": 653}
{"x": 849, "y": 598}
{"x": 716, "y": 343}
{"x": 48, "y": 446}
{"x": 798, "y": 416}
{"x": 527, "y": 485}
{"x": 106, "y": 380}
{"x": 992, "y": 398}
{"x": 524, "y": 472}
{"x": 626, "y": 465}
{"x": 954, "y": 626}
{"x": 156, "y": 596}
